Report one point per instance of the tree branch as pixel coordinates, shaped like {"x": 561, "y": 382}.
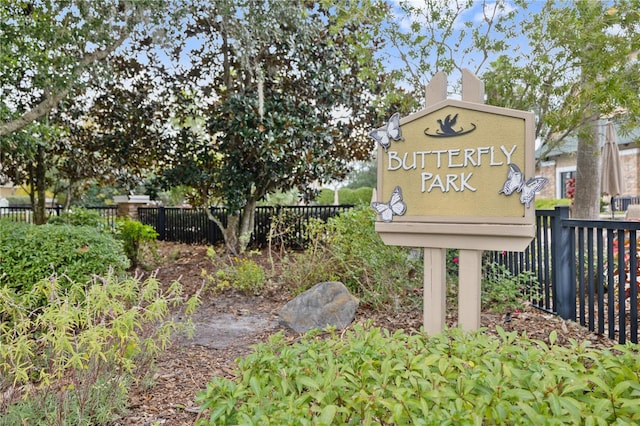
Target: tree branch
{"x": 51, "y": 100}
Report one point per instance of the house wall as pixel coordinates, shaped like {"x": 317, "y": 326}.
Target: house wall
{"x": 6, "y": 191}
{"x": 629, "y": 158}
{"x": 547, "y": 169}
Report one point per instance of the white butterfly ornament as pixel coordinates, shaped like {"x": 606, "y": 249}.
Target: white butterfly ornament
{"x": 390, "y": 132}
{"x": 515, "y": 183}
{"x": 530, "y": 187}
{"x": 395, "y": 207}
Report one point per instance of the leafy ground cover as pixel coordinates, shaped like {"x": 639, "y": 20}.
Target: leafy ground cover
{"x": 186, "y": 367}
{"x": 58, "y": 355}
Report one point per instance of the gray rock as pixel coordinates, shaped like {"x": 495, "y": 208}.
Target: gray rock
{"x": 328, "y": 303}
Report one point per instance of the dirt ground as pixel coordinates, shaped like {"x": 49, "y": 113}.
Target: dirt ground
{"x": 227, "y": 325}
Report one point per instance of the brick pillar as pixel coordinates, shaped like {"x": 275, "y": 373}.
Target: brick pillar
{"x": 129, "y": 207}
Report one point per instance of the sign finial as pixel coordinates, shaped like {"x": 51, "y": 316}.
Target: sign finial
{"x": 436, "y": 90}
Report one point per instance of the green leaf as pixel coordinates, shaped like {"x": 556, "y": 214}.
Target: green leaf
{"x": 308, "y": 382}
{"x": 327, "y": 414}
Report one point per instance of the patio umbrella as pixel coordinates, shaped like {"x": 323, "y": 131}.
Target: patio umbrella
{"x": 612, "y": 182}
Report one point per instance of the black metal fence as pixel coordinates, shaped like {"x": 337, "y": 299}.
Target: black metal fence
{"x": 193, "y": 226}
{"x": 621, "y": 203}
{"x": 586, "y": 270}
{"x": 25, "y": 213}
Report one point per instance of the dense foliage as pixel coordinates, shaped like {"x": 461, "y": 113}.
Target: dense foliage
{"x": 348, "y": 249}
{"x": 72, "y": 361}
{"x": 136, "y": 238}
{"x": 79, "y": 217}
{"x": 31, "y": 253}
{"x": 280, "y": 96}
{"x": 367, "y": 376}
{"x": 355, "y": 196}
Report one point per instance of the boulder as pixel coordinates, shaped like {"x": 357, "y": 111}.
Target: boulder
{"x": 325, "y": 304}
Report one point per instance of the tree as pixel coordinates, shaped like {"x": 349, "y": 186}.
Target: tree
{"x": 275, "y": 77}
{"x": 50, "y": 49}
{"x": 51, "y": 52}
{"x": 580, "y": 68}
{"x": 364, "y": 176}
{"x": 124, "y": 134}
{"x": 433, "y": 36}
{"x": 575, "y": 66}
{"x": 24, "y": 160}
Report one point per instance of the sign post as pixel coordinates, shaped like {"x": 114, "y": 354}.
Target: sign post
{"x": 457, "y": 174}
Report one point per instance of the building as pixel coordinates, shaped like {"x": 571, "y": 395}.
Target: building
{"x": 560, "y": 164}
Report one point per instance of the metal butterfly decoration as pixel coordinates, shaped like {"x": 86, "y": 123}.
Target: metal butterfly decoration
{"x": 516, "y": 183}
{"x": 390, "y": 132}
{"x": 395, "y": 207}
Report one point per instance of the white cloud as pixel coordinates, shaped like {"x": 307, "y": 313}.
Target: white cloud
{"x": 491, "y": 11}
{"x": 476, "y": 12}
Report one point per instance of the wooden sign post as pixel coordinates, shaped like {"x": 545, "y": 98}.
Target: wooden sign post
{"x": 457, "y": 174}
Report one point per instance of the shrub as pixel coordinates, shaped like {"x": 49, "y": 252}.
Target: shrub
{"x": 363, "y": 195}
{"x": 367, "y": 376}
{"x": 325, "y": 197}
{"x": 80, "y": 217}
{"x": 71, "y": 361}
{"x": 551, "y": 203}
{"x": 136, "y": 239}
{"x": 358, "y": 196}
{"x": 29, "y": 253}
{"x": 239, "y": 273}
{"x": 348, "y": 249}
{"x": 503, "y": 292}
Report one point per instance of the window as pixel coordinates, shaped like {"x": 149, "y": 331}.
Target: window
{"x": 564, "y": 176}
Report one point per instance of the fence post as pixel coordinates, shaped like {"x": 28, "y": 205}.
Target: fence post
{"x": 564, "y": 290}
{"x": 161, "y": 224}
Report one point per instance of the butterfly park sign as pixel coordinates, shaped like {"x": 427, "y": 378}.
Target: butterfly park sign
{"x": 457, "y": 174}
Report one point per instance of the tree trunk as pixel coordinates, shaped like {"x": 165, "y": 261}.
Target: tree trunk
{"x": 39, "y": 188}
{"x": 40, "y": 214}
{"x": 237, "y": 233}
{"x": 231, "y": 233}
{"x": 246, "y": 224}
{"x": 587, "y": 196}
{"x": 67, "y": 201}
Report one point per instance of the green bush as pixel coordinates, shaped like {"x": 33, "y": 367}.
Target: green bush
{"x": 29, "y": 253}
{"x": 503, "y": 292}
{"x": 239, "y": 273}
{"x": 346, "y": 196}
{"x": 359, "y": 196}
{"x": 348, "y": 249}
{"x": 551, "y": 203}
{"x": 136, "y": 239}
{"x": 80, "y": 217}
{"x": 325, "y": 197}
{"x": 368, "y": 377}
{"x": 71, "y": 362}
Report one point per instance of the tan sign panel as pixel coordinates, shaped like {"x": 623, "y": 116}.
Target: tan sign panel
{"x": 460, "y": 162}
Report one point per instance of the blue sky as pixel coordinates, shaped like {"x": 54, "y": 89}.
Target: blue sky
{"x": 475, "y": 15}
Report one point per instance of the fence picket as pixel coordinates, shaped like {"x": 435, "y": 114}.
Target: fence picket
{"x": 587, "y": 271}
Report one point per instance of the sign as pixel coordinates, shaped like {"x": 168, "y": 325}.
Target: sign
{"x": 462, "y": 165}
{"x": 457, "y": 174}
{"x": 453, "y": 163}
